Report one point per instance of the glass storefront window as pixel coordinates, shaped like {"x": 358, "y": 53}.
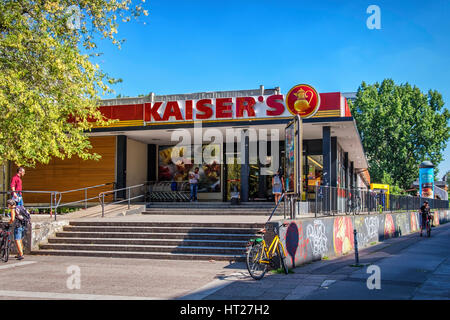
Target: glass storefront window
{"x": 209, "y": 170}
{"x": 314, "y": 174}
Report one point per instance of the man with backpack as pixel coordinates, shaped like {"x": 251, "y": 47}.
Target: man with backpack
{"x": 20, "y": 217}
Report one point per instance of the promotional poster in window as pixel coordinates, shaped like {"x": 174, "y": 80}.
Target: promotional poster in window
{"x": 209, "y": 170}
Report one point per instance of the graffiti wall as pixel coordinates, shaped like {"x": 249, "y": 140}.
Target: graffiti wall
{"x": 312, "y": 239}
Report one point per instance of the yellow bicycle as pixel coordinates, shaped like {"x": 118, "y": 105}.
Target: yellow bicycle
{"x": 259, "y": 257}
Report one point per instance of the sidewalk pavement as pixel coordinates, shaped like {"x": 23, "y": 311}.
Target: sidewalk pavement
{"x": 412, "y": 267}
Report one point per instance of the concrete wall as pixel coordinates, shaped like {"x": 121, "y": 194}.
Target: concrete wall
{"x": 312, "y": 239}
{"x": 136, "y": 165}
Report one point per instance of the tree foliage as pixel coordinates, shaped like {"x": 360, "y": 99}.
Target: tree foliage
{"x": 47, "y": 76}
{"x": 400, "y": 127}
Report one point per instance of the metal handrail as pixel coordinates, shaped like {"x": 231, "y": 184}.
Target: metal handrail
{"x": 85, "y": 189}
{"x": 276, "y": 206}
{"x": 56, "y": 197}
{"x": 101, "y": 196}
{"x": 52, "y": 197}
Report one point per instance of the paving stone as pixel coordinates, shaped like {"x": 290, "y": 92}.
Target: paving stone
{"x": 303, "y": 289}
{"x": 272, "y": 296}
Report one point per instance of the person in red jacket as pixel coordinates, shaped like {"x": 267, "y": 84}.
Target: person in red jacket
{"x": 16, "y": 186}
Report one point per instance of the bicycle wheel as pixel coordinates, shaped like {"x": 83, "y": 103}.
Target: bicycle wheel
{"x": 4, "y": 251}
{"x": 358, "y": 207}
{"x": 428, "y": 229}
{"x": 348, "y": 209}
{"x": 254, "y": 254}
{"x": 282, "y": 258}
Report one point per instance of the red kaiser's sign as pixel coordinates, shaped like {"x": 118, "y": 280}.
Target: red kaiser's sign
{"x": 301, "y": 99}
{"x": 215, "y": 109}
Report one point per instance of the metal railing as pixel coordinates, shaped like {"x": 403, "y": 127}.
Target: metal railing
{"x": 333, "y": 201}
{"x": 52, "y": 204}
{"x": 127, "y": 190}
{"x": 56, "y": 197}
{"x": 85, "y": 190}
{"x": 276, "y": 207}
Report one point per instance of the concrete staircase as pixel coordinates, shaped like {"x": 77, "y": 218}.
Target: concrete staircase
{"x": 213, "y": 208}
{"x": 152, "y": 240}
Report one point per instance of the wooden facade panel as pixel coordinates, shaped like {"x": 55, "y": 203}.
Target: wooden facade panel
{"x": 73, "y": 173}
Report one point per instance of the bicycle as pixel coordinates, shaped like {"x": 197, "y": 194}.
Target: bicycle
{"x": 428, "y": 225}
{"x": 5, "y": 242}
{"x": 353, "y": 205}
{"x": 259, "y": 257}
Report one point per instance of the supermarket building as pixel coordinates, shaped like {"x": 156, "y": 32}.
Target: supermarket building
{"x": 136, "y": 148}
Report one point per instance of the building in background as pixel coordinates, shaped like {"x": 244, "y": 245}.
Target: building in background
{"x": 138, "y": 147}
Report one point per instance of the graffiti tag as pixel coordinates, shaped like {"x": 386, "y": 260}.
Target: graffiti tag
{"x": 315, "y": 233}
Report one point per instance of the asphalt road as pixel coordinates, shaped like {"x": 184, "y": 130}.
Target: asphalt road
{"x": 410, "y": 267}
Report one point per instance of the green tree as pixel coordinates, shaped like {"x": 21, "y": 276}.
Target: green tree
{"x": 400, "y": 127}
{"x": 47, "y": 75}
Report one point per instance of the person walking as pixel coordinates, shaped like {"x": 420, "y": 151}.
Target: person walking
{"x": 16, "y": 186}
{"x": 193, "y": 183}
{"x": 277, "y": 185}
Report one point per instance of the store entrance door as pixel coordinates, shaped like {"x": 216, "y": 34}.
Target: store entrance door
{"x": 232, "y": 174}
{"x": 261, "y": 174}
{"x": 260, "y": 185}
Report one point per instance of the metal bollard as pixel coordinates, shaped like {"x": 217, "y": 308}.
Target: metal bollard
{"x": 355, "y": 233}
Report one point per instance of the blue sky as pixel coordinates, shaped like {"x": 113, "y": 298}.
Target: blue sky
{"x": 194, "y": 46}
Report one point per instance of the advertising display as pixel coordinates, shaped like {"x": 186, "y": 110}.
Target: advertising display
{"x": 290, "y": 158}
{"x": 426, "y": 181}
{"x": 294, "y": 155}
{"x": 209, "y": 170}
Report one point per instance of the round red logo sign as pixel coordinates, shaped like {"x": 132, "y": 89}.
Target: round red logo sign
{"x": 303, "y": 100}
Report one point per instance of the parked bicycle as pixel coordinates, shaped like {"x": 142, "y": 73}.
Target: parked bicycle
{"x": 5, "y": 241}
{"x": 354, "y": 205}
{"x": 259, "y": 256}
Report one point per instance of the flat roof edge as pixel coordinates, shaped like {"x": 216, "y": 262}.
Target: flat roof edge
{"x": 190, "y": 96}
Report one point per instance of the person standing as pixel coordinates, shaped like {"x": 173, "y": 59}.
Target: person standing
{"x": 193, "y": 182}
{"x": 19, "y": 222}
{"x": 16, "y": 186}
{"x": 277, "y": 185}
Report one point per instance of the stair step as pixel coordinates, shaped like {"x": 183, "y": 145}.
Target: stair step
{"x": 142, "y": 248}
{"x": 169, "y": 224}
{"x": 158, "y": 229}
{"x": 165, "y": 242}
{"x": 148, "y": 235}
{"x": 212, "y": 212}
{"x": 142, "y": 255}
